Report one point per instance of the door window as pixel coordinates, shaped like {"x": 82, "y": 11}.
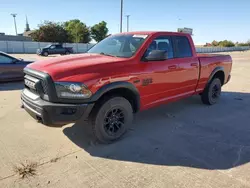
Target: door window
{"x": 163, "y": 43}
{"x": 5, "y": 59}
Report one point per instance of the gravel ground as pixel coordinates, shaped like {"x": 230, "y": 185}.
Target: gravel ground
{"x": 182, "y": 144}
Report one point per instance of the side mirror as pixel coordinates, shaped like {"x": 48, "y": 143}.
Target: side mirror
{"x": 156, "y": 55}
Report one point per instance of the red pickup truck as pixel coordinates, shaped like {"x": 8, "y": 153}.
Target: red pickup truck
{"x": 119, "y": 76}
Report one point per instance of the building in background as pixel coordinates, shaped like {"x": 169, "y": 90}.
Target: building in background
{"x": 19, "y": 37}
{"x": 185, "y": 30}
{"x": 25, "y": 36}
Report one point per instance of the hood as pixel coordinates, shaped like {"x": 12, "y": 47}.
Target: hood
{"x": 65, "y": 66}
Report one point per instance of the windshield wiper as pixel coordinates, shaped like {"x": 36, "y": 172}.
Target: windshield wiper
{"x": 102, "y": 53}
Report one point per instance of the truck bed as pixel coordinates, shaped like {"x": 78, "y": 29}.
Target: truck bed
{"x": 206, "y": 59}
{"x": 208, "y": 63}
{"x": 210, "y": 55}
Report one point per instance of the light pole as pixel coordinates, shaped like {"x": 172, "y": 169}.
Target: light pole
{"x": 127, "y": 22}
{"x": 121, "y": 16}
{"x": 14, "y": 16}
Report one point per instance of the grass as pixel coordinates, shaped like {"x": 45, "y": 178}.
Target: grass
{"x": 26, "y": 170}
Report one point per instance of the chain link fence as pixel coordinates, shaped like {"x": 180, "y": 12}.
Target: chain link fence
{"x": 31, "y": 47}
{"x": 221, "y": 49}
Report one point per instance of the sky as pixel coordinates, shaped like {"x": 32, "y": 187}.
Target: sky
{"x": 209, "y": 19}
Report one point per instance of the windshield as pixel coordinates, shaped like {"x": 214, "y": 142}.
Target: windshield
{"x": 119, "y": 45}
{"x": 47, "y": 46}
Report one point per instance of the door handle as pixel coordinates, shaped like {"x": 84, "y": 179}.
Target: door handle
{"x": 194, "y": 64}
{"x": 172, "y": 67}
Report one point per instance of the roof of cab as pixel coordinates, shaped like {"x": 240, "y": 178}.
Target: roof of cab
{"x": 153, "y": 32}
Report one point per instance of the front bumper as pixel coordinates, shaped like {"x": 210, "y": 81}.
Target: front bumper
{"x": 53, "y": 113}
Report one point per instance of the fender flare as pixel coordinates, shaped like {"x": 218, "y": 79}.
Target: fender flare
{"x": 217, "y": 69}
{"x": 118, "y": 85}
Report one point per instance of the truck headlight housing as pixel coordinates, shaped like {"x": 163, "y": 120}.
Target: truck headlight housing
{"x": 72, "y": 90}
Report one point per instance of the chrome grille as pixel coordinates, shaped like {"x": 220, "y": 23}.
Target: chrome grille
{"x": 32, "y": 83}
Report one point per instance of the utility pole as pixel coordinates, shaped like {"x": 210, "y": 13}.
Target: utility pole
{"x": 14, "y": 16}
{"x": 121, "y": 16}
{"x": 127, "y": 22}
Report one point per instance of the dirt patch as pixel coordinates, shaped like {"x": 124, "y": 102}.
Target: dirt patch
{"x": 54, "y": 160}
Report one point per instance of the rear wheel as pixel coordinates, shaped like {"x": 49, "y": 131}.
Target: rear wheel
{"x": 212, "y": 92}
{"x": 111, "y": 119}
{"x": 67, "y": 53}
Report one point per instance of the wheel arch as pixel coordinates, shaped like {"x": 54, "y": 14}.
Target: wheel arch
{"x": 218, "y": 72}
{"x": 124, "y": 89}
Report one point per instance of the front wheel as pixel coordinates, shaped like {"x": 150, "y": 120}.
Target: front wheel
{"x": 111, "y": 119}
{"x": 45, "y": 54}
{"x": 212, "y": 92}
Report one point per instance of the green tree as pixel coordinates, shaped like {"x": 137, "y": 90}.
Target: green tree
{"x": 77, "y": 31}
{"x": 243, "y": 44}
{"x": 99, "y": 31}
{"x": 50, "y": 32}
{"x": 215, "y": 43}
{"x": 226, "y": 43}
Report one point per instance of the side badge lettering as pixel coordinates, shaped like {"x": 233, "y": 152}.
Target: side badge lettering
{"x": 147, "y": 81}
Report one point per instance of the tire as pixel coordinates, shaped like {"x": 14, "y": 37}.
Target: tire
{"x": 212, "y": 92}
{"x": 67, "y": 53}
{"x": 111, "y": 119}
{"x": 45, "y": 54}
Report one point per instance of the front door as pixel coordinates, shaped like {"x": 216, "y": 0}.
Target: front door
{"x": 52, "y": 49}
{"x": 163, "y": 78}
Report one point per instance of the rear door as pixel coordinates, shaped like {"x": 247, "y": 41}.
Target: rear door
{"x": 188, "y": 65}
{"x": 60, "y": 49}
{"x": 10, "y": 69}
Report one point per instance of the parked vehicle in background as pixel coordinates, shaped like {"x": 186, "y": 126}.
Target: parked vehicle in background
{"x": 11, "y": 68}
{"x": 54, "y": 49}
{"x": 119, "y": 76}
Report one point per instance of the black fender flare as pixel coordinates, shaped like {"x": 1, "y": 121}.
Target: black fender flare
{"x": 118, "y": 85}
{"x": 217, "y": 69}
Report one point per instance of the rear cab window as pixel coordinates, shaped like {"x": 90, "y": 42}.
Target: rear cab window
{"x": 182, "y": 47}
{"x": 58, "y": 46}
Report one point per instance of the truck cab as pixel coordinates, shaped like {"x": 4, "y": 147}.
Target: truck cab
{"x": 121, "y": 75}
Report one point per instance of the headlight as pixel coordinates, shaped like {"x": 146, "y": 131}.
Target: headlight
{"x": 72, "y": 90}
